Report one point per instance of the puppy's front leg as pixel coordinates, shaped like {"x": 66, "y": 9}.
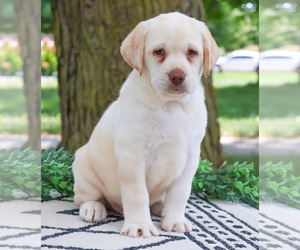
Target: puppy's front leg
{"x": 176, "y": 198}
{"x": 135, "y": 200}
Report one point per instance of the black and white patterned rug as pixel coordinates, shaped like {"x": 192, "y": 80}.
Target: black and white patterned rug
{"x": 216, "y": 225}
{"x": 279, "y": 227}
{"x": 20, "y": 224}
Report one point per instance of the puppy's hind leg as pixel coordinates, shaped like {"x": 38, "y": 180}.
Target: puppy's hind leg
{"x": 157, "y": 203}
{"x": 157, "y": 208}
{"x": 88, "y": 195}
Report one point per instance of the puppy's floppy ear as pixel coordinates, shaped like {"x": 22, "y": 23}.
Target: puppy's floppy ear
{"x": 210, "y": 50}
{"x": 133, "y": 47}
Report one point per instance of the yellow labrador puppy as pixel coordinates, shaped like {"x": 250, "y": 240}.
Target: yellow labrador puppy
{"x": 145, "y": 149}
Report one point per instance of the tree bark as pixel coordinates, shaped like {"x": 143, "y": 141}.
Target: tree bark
{"x": 29, "y": 34}
{"x": 91, "y": 70}
{"x": 211, "y": 147}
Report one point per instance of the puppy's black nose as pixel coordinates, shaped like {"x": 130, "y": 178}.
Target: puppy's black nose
{"x": 177, "y": 76}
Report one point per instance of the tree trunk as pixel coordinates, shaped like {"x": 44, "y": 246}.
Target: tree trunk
{"x": 29, "y": 34}
{"x": 91, "y": 70}
{"x": 211, "y": 147}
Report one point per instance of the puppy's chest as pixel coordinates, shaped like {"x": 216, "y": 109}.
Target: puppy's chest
{"x": 167, "y": 134}
{"x": 166, "y": 125}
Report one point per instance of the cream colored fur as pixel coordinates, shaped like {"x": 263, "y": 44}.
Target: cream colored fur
{"x": 145, "y": 149}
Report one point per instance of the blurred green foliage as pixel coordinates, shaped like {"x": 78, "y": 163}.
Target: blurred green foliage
{"x": 279, "y": 182}
{"x": 234, "y": 23}
{"x": 8, "y": 22}
{"x": 10, "y": 60}
{"x": 20, "y": 172}
{"x": 278, "y": 23}
{"x": 47, "y": 18}
{"x": 48, "y": 60}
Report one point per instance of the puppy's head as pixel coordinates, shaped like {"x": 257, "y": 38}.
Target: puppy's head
{"x": 173, "y": 50}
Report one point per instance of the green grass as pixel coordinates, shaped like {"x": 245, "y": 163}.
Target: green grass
{"x": 238, "y": 106}
{"x": 240, "y": 102}
{"x": 49, "y": 83}
{"x": 275, "y": 101}
{"x": 242, "y": 127}
{"x": 227, "y": 79}
{"x": 50, "y": 124}
{"x": 49, "y": 102}
{"x": 50, "y": 118}
{"x": 239, "y": 120}
{"x": 13, "y": 116}
{"x": 237, "y": 116}
{"x": 280, "y": 127}
{"x": 280, "y": 101}
{"x": 12, "y": 100}
{"x": 13, "y": 124}
{"x": 277, "y": 79}
{"x": 279, "y": 104}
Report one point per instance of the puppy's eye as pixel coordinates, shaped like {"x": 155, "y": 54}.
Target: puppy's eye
{"x": 159, "y": 52}
{"x": 192, "y": 52}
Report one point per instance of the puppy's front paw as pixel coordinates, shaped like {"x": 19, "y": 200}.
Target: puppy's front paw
{"x": 144, "y": 230}
{"x": 92, "y": 211}
{"x": 176, "y": 225}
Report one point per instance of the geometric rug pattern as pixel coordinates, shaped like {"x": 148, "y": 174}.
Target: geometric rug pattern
{"x": 279, "y": 227}
{"x": 20, "y": 224}
{"x": 213, "y": 227}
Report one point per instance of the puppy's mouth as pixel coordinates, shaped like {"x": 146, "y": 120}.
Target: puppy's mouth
{"x": 177, "y": 90}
